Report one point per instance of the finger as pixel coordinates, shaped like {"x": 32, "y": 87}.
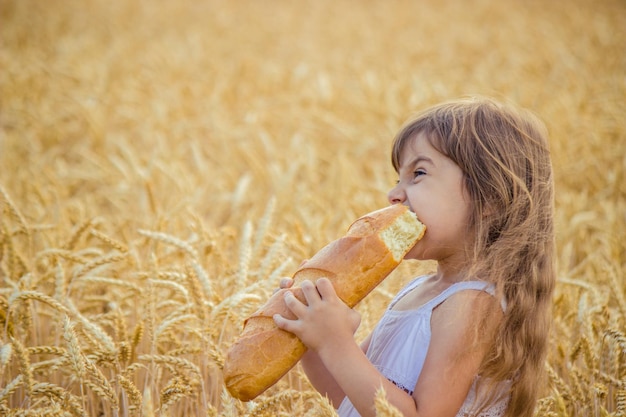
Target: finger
{"x": 310, "y": 292}
{"x": 325, "y": 288}
{"x": 286, "y": 283}
{"x": 283, "y": 323}
{"x": 293, "y": 304}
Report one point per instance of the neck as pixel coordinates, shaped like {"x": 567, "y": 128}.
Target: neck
{"x": 451, "y": 272}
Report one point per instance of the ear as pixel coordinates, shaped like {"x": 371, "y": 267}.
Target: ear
{"x": 488, "y": 210}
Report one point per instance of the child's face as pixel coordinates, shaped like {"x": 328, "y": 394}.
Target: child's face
{"x": 431, "y": 185}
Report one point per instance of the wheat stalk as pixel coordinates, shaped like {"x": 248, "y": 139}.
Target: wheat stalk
{"x": 197, "y": 295}
{"x": 61, "y": 253}
{"x": 559, "y": 385}
{"x": 87, "y": 280}
{"x": 118, "y": 246}
{"x": 270, "y": 405}
{"x": 100, "y": 384}
{"x": 203, "y": 277}
{"x": 46, "y": 350}
{"x": 131, "y": 390}
{"x": 170, "y": 240}
{"x": 12, "y": 209}
{"x": 54, "y": 391}
{"x": 92, "y": 265}
{"x": 620, "y": 403}
{"x": 245, "y": 253}
{"x": 16, "y": 264}
{"x": 74, "y": 352}
{"x": 382, "y": 405}
{"x": 60, "y": 283}
{"x": 10, "y": 388}
{"x": 173, "y": 392}
{"x": 100, "y": 338}
{"x": 166, "y": 324}
{"x": 179, "y": 363}
{"x": 185, "y": 350}
{"x": 5, "y": 355}
{"x": 50, "y": 365}
{"x": 264, "y": 225}
{"x": 619, "y": 337}
{"x": 174, "y": 286}
{"x": 136, "y": 338}
{"x": 270, "y": 257}
{"x": 583, "y": 345}
{"x": 78, "y": 233}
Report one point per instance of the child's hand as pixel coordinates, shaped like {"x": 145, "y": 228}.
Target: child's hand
{"x": 326, "y": 321}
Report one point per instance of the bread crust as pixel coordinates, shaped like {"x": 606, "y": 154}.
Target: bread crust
{"x": 355, "y": 264}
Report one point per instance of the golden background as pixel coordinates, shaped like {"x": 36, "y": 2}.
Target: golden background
{"x": 163, "y": 163}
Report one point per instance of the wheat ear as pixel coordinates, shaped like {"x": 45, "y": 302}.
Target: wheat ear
{"x": 263, "y": 227}
{"x": 12, "y": 208}
{"x": 120, "y": 247}
{"x": 134, "y": 396}
{"x": 174, "y": 361}
{"x": 382, "y": 405}
{"x": 80, "y": 230}
{"x": 24, "y": 363}
{"x": 38, "y": 296}
{"x": 74, "y": 352}
{"x": 245, "y": 253}
{"x": 10, "y": 388}
{"x": 170, "y": 240}
{"x": 103, "y": 260}
{"x": 54, "y": 391}
{"x": 5, "y": 355}
{"x": 100, "y": 384}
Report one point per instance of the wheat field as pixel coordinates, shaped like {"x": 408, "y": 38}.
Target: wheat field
{"x": 164, "y": 163}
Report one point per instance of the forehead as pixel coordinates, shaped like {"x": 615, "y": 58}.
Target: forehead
{"x": 415, "y": 146}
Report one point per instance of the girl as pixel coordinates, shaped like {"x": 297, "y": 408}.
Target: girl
{"x": 470, "y": 339}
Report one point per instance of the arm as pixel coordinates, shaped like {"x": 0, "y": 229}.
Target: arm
{"x": 325, "y": 327}
{"x": 322, "y": 379}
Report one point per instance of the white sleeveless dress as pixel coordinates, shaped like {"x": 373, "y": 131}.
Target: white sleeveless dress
{"x": 400, "y": 342}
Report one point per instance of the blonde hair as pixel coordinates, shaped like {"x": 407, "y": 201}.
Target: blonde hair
{"x": 503, "y": 153}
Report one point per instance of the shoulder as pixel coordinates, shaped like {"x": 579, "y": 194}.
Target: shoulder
{"x": 471, "y": 300}
{"x": 465, "y": 315}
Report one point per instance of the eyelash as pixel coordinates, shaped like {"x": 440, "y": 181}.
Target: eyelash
{"x": 418, "y": 172}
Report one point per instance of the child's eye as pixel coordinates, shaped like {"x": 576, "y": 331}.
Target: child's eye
{"x": 418, "y": 172}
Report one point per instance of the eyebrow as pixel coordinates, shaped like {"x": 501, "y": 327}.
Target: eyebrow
{"x": 421, "y": 158}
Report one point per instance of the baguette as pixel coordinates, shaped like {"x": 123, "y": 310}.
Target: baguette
{"x": 373, "y": 246}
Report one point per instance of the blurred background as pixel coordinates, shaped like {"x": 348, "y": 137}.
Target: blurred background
{"x": 223, "y": 129}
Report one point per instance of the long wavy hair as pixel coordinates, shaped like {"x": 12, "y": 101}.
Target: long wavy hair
{"x": 504, "y": 155}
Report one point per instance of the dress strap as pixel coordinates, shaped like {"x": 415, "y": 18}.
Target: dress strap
{"x": 462, "y": 286}
{"x": 443, "y": 296}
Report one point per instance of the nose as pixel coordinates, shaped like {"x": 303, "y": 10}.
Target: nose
{"x": 396, "y": 195}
